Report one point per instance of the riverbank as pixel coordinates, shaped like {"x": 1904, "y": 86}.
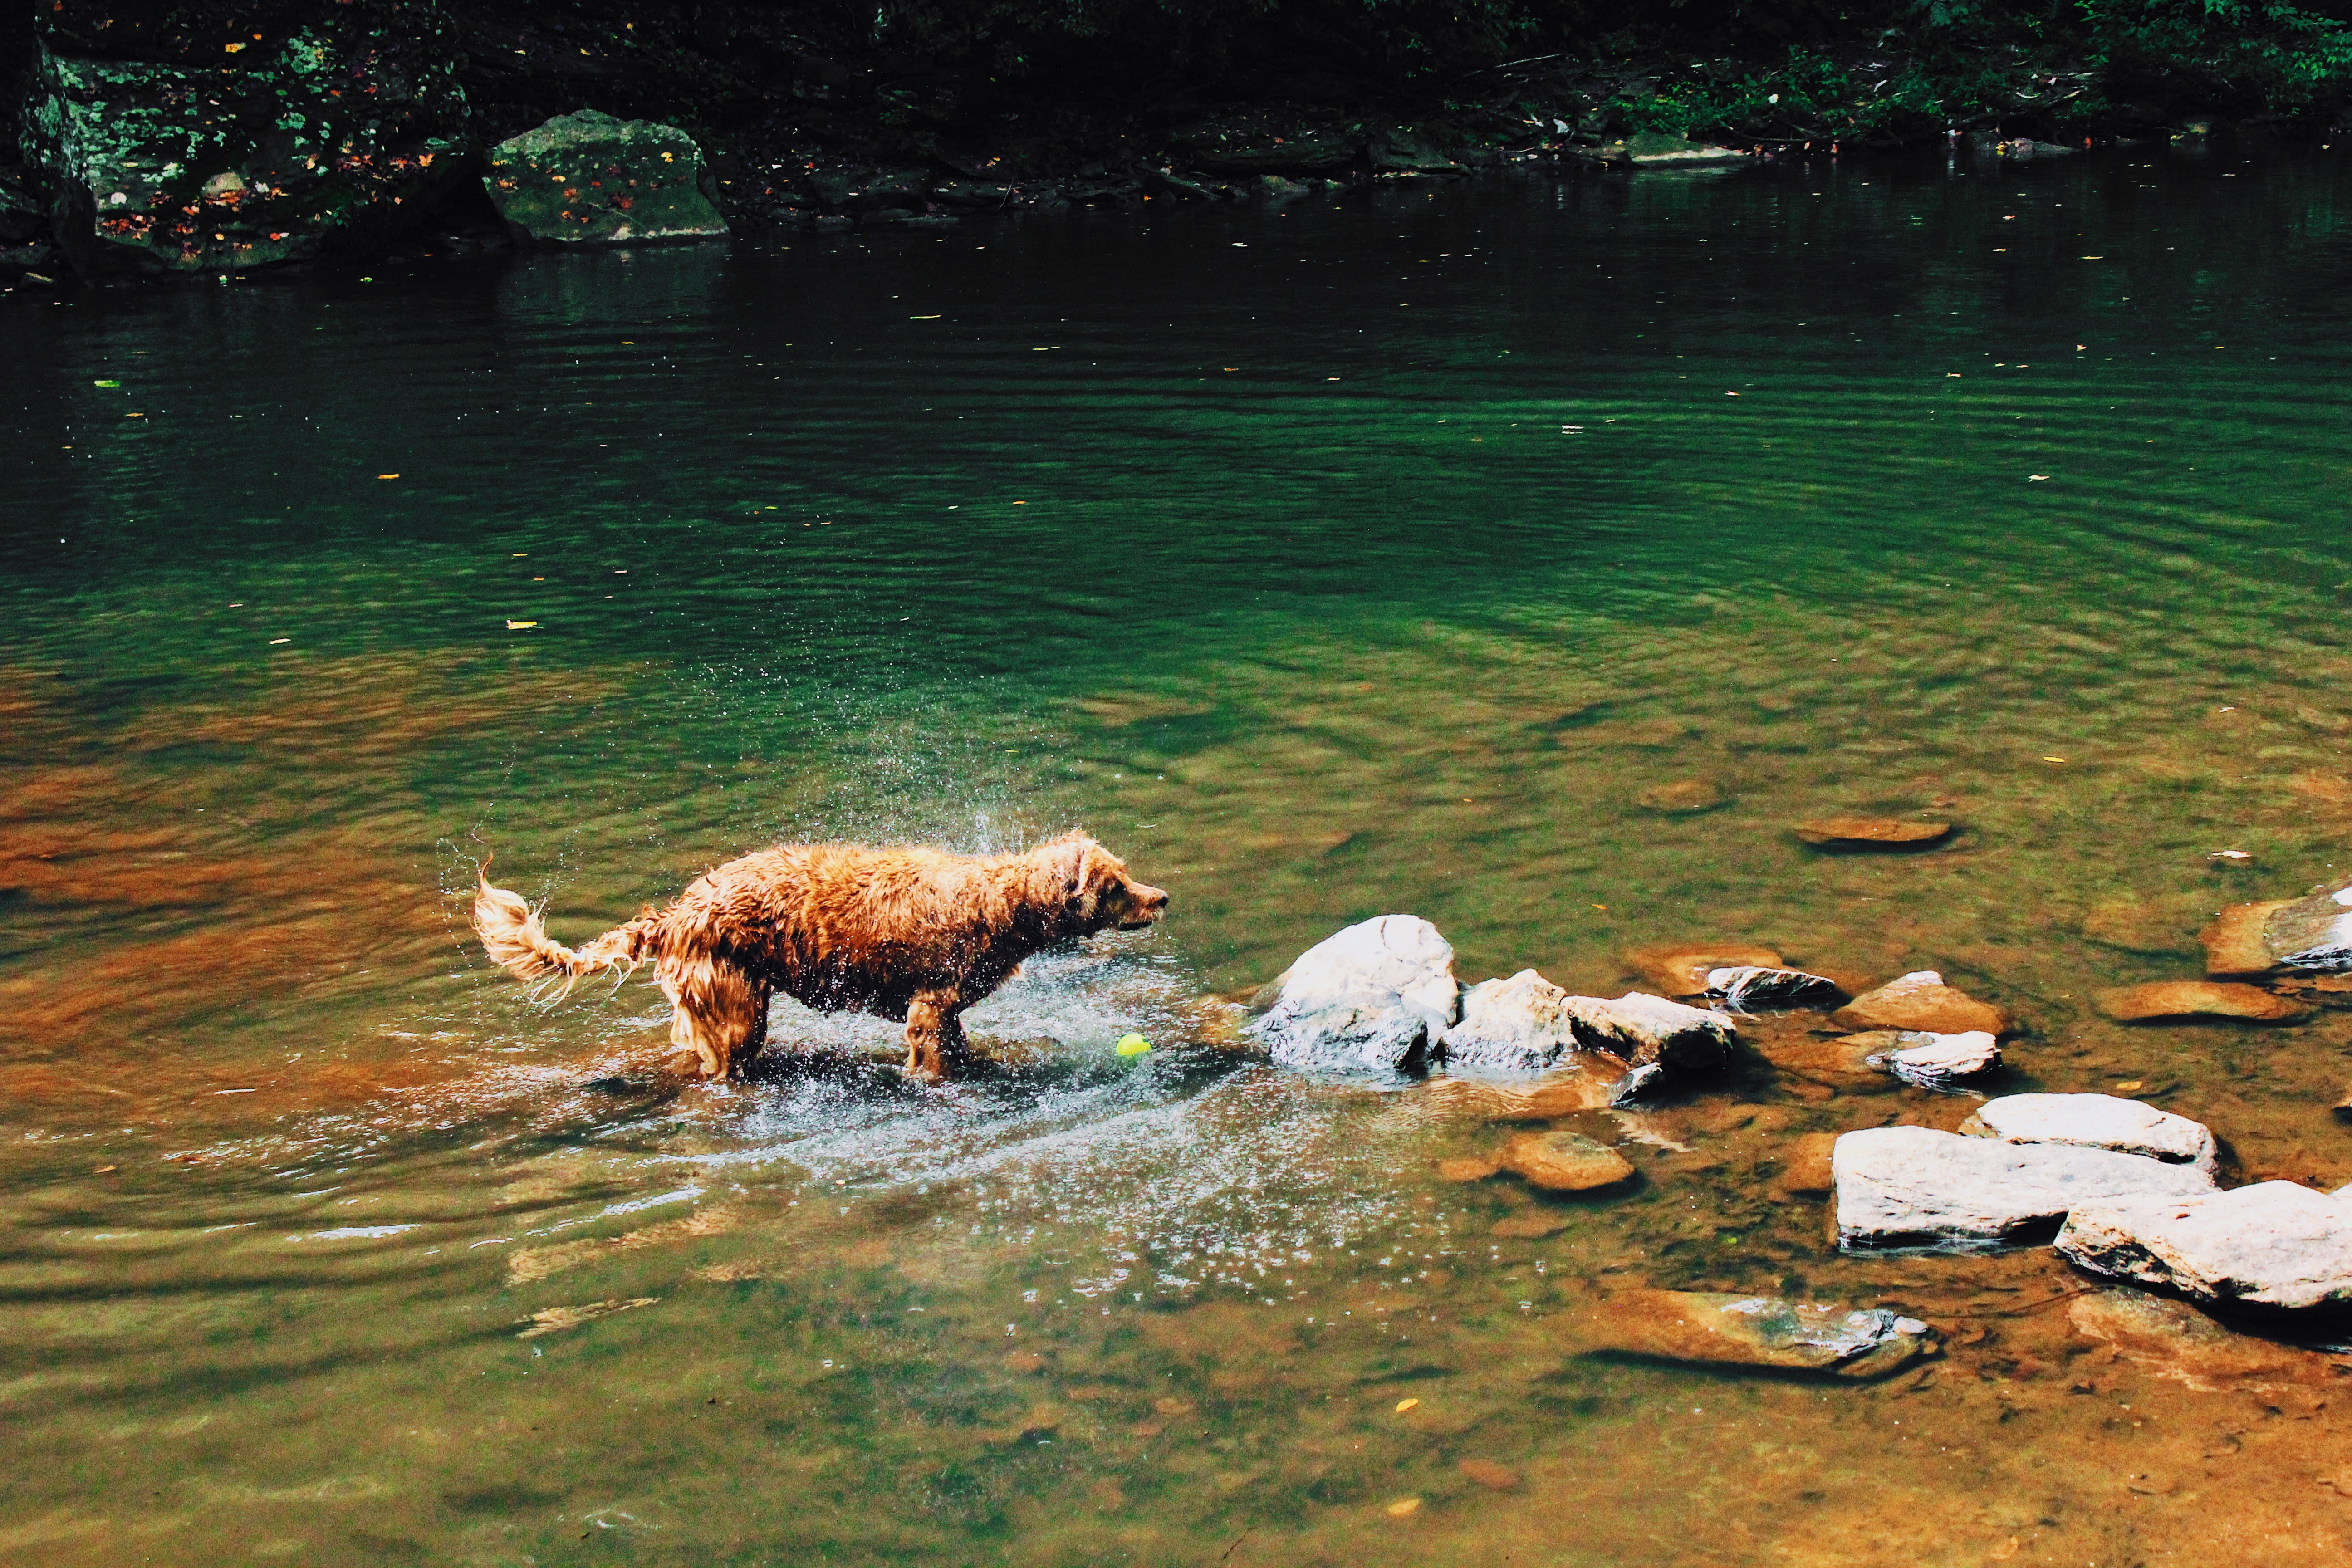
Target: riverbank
{"x": 806, "y": 129}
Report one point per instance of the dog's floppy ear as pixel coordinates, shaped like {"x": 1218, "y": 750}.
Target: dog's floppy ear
{"x": 1071, "y": 858}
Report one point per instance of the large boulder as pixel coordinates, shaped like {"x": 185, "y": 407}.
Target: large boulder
{"x": 1644, "y": 1031}
{"x": 227, "y": 150}
{"x": 591, "y": 179}
{"x": 2095, "y": 1121}
{"x": 1718, "y": 1329}
{"x": 1369, "y": 999}
{"x": 2275, "y": 1244}
{"x": 1915, "y": 1186}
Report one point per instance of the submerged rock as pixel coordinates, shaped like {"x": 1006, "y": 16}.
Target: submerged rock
{"x": 1368, "y": 999}
{"x": 1684, "y": 797}
{"x": 1915, "y": 1186}
{"x": 1717, "y": 1328}
{"x": 1751, "y": 985}
{"x": 2175, "y": 1339}
{"x": 2313, "y": 933}
{"x": 2096, "y": 1121}
{"x": 1683, "y": 970}
{"x": 1920, "y": 1000}
{"x": 341, "y": 131}
{"x": 2199, "y": 999}
{"x": 2275, "y": 1244}
{"x": 591, "y": 179}
{"x": 1565, "y": 1162}
{"x": 1656, "y": 149}
{"x": 1872, "y": 832}
{"x": 1931, "y": 1061}
{"x": 1805, "y": 1169}
{"x": 1536, "y": 1099}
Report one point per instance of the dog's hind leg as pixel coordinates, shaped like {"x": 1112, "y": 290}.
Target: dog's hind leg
{"x": 935, "y": 1038}
{"x": 717, "y": 1012}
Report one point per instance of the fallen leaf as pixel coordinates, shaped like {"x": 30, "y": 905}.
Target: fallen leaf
{"x": 555, "y": 1320}
{"x": 1405, "y": 1405}
{"x": 106, "y": 384}
{"x": 521, "y": 625}
{"x": 387, "y": 475}
{"x": 1405, "y": 1507}
{"x": 2130, "y": 1084}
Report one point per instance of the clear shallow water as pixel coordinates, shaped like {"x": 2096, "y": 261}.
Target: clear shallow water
{"x": 391, "y": 1266}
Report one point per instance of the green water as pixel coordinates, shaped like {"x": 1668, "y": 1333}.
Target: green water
{"x": 1324, "y": 560}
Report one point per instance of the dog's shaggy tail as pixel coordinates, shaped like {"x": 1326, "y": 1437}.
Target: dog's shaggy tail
{"x": 516, "y": 941}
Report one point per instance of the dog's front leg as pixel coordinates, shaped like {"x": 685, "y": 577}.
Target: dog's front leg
{"x": 935, "y": 1039}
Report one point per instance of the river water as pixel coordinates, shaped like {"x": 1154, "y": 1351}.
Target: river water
{"x": 1325, "y": 558}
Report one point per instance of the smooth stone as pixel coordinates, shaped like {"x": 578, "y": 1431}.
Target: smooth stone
{"x": 2096, "y": 1121}
{"x": 1657, "y": 149}
{"x": 1518, "y": 1023}
{"x": 1487, "y": 1473}
{"x": 1367, "y": 999}
{"x": 591, "y": 179}
{"x": 1748, "y": 986}
{"x": 1642, "y": 1029}
{"x": 1920, "y": 1000}
{"x": 1683, "y": 970}
{"x": 1468, "y": 1168}
{"x": 1930, "y": 1060}
{"x": 2233, "y": 940}
{"x": 2176, "y": 1341}
{"x": 1915, "y": 1186}
{"x": 1536, "y": 1100}
{"x": 1526, "y": 1022}
{"x": 1872, "y": 832}
{"x": 2199, "y": 999}
{"x": 1805, "y": 1169}
{"x": 1533, "y": 1226}
{"x": 2275, "y": 1244}
{"x": 1565, "y": 1162}
{"x": 1684, "y": 797}
{"x": 1719, "y": 1329}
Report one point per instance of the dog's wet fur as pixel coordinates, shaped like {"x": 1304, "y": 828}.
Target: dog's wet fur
{"x": 910, "y": 934}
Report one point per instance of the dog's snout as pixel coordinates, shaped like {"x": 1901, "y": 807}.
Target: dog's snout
{"x": 1148, "y": 903}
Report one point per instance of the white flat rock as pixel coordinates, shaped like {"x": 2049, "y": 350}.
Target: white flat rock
{"x": 2275, "y": 1244}
{"x": 1915, "y": 1186}
{"x": 2096, "y": 1121}
{"x": 1522, "y": 1022}
{"x": 1938, "y": 1061}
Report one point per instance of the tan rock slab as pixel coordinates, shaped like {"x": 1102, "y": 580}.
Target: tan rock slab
{"x": 1684, "y": 797}
{"x": 2176, "y": 1341}
{"x": 1805, "y": 1166}
{"x": 2233, "y": 940}
{"x": 1872, "y": 832}
{"x": 1920, "y": 1000}
{"x": 1468, "y": 1168}
{"x": 1490, "y": 1475}
{"x": 1715, "y": 1328}
{"x": 1565, "y": 1162}
{"x": 2199, "y": 999}
{"x": 1532, "y": 1226}
{"x": 1681, "y": 971}
{"x": 1533, "y": 1100}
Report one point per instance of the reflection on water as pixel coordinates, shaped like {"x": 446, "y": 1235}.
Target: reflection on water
{"x": 1528, "y": 557}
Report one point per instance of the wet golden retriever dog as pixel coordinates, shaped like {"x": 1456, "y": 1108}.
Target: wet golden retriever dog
{"x": 911, "y": 935}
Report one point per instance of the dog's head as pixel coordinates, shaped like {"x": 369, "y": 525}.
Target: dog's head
{"x": 1092, "y": 890}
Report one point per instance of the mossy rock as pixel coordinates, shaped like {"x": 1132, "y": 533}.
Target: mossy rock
{"x": 330, "y": 136}
{"x": 590, "y": 179}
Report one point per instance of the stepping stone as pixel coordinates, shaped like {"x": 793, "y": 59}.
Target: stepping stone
{"x": 2096, "y": 1121}
{"x": 2275, "y": 1244}
{"x": 1751, "y": 985}
{"x": 1915, "y": 1186}
{"x": 1920, "y": 1000}
{"x": 1565, "y": 1162}
{"x": 1369, "y": 999}
{"x": 1930, "y": 1060}
{"x": 1716, "y": 1328}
